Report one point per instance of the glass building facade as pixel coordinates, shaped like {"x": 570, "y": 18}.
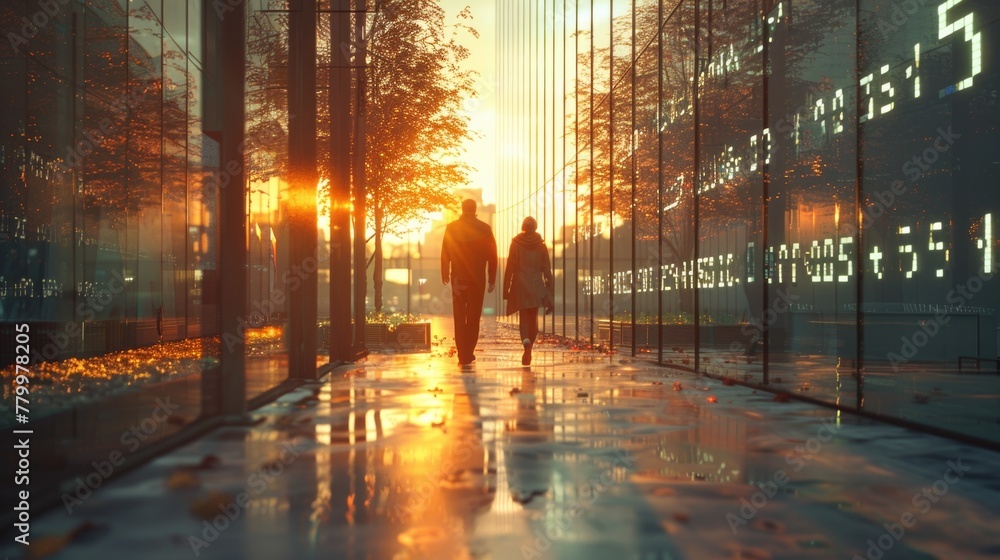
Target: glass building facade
{"x": 113, "y": 170}
{"x": 799, "y": 194}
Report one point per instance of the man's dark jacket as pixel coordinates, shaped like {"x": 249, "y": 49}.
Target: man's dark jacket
{"x": 469, "y": 247}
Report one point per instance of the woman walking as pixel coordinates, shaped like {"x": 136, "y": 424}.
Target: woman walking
{"x": 527, "y": 282}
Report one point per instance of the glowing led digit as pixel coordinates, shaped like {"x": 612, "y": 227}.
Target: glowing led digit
{"x": 876, "y": 258}
{"x": 845, "y": 257}
{"x": 828, "y": 260}
{"x": 887, "y": 89}
{"x": 769, "y": 264}
{"x": 838, "y": 116}
{"x": 866, "y": 84}
{"x": 819, "y": 115}
{"x": 797, "y": 127}
{"x": 986, "y": 243}
{"x": 906, "y": 249}
{"x": 974, "y": 39}
{"x": 813, "y": 266}
{"x": 913, "y": 71}
{"x": 767, "y": 145}
{"x": 796, "y": 255}
{"x": 782, "y": 258}
{"x": 679, "y": 188}
{"x": 935, "y": 246}
{"x": 730, "y": 165}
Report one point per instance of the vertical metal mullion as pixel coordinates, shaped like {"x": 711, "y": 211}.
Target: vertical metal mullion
{"x": 499, "y": 75}
{"x": 163, "y": 92}
{"x": 632, "y": 148}
{"x": 565, "y": 269}
{"x": 232, "y": 255}
{"x": 858, "y": 197}
{"x": 611, "y": 172}
{"x": 360, "y": 178}
{"x": 593, "y": 325}
{"x": 697, "y": 182}
{"x": 576, "y": 170}
{"x": 128, "y": 138}
{"x": 543, "y": 130}
{"x": 659, "y": 182}
{"x": 554, "y": 167}
{"x": 187, "y": 160}
{"x": 765, "y": 196}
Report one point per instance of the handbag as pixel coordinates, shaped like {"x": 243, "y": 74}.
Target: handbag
{"x": 548, "y": 303}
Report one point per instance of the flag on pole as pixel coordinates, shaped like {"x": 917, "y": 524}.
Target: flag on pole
{"x": 274, "y": 256}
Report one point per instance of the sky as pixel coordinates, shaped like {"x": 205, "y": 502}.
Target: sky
{"x": 481, "y": 151}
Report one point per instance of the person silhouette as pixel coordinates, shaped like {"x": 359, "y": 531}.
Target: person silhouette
{"x": 527, "y": 283}
{"x": 468, "y": 261}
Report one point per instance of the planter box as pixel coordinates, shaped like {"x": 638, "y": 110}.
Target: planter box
{"x": 376, "y": 336}
{"x": 621, "y": 333}
{"x": 413, "y": 337}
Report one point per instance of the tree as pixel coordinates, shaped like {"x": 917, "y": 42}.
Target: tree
{"x": 731, "y": 111}
{"x": 414, "y": 89}
{"x": 415, "y": 126}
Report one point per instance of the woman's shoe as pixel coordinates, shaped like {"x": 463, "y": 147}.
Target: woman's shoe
{"x": 526, "y": 356}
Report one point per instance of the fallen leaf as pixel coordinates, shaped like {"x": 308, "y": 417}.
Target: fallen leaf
{"x": 211, "y": 504}
{"x": 182, "y": 478}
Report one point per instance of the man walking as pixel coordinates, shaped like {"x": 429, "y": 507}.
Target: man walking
{"x": 469, "y": 249}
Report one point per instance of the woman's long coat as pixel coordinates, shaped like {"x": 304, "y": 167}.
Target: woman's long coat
{"x": 527, "y": 279}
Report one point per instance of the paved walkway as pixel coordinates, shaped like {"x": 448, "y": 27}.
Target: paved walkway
{"x": 579, "y": 456}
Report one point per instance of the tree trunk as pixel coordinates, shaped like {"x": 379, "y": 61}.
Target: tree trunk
{"x": 377, "y": 269}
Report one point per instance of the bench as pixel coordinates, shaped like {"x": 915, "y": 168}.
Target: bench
{"x": 979, "y": 360}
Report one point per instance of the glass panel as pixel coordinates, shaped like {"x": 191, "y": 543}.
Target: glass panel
{"x": 929, "y": 154}
{"x": 618, "y": 186}
{"x": 95, "y": 159}
{"x": 676, "y": 198}
{"x": 730, "y": 228}
{"x": 811, "y": 242}
{"x": 267, "y": 149}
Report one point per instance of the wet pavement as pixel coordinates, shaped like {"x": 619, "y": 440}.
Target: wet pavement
{"x": 579, "y": 456}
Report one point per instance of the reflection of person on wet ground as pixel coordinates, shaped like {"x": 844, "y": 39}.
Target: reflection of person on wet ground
{"x": 529, "y": 456}
{"x": 468, "y": 476}
{"x": 447, "y": 488}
